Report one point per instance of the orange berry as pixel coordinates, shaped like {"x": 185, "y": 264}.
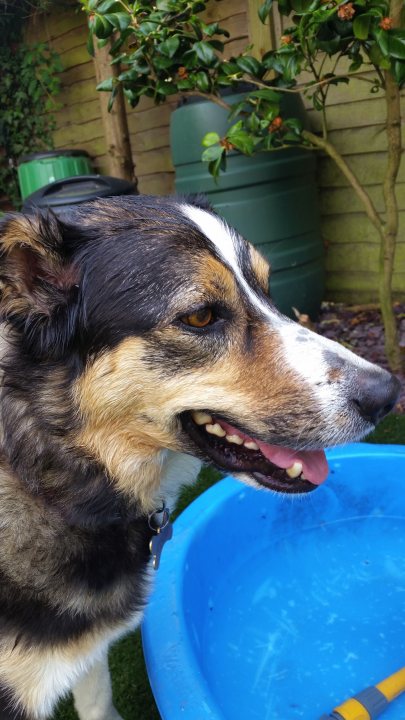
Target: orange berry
{"x": 286, "y": 39}
{"x": 275, "y": 124}
{"x": 226, "y": 144}
{"x": 386, "y": 23}
{"x": 346, "y": 11}
{"x": 182, "y": 72}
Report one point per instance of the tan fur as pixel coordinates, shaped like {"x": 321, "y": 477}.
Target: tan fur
{"x": 261, "y": 268}
{"x": 214, "y": 280}
{"x": 130, "y": 437}
{"x": 38, "y": 675}
{"x": 27, "y": 256}
{"x": 22, "y": 231}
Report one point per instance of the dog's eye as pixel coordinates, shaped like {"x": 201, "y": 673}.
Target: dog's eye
{"x": 200, "y": 318}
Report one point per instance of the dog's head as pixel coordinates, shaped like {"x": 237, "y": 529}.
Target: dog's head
{"x": 161, "y": 312}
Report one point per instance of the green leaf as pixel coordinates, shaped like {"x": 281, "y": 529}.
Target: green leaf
{"x": 294, "y": 124}
{"x": 253, "y": 123}
{"x": 185, "y": 84}
{"x": 202, "y": 81}
{"x": 170, "y": 46}
{"x": 396, "y": 44}
{"x": 211, "y": 138}
{"x": 264, "y": 10}
{"x": 147, "y": 28}
{"x": 90, "y": 44}
{"x": 236, "y": 109}
{"x": 198, "y": 6}
{"x": 382, "y": 39}
{"x": 101, "y": 27}
{"x": 164, "y": 5}
{"x": 204, "y": 52}
{"x": 217, "y": 45}
{"x": 242, "y": 141}
{"x": 132, "y": 97}
{"x": 141, "y": 66}
{"x": 116, "y": 45}
{"x": 249, "y": 65}
{"x": 217, "y": 165}
{"x": 302, "y": 6}
{"x": 398, "y": 71}
{"x": 213, "y": 152}
{"x": 236, "y": 128}
{"x": 119, "y": 20}
{"x": 377, "y": 57}
{"x": 112, "y": 97}
{"x": 106, "y": 85}
{"x": 356, "y": 64}
{"x": 107, "y": 6}
{"x": 327, "y": 39}
{"x": 269, "y": 95}
{"x": 291, "y": 137}
{"x": 162, "y": 63}
{"x": 210, "y": 29}
{"x": 166, "y": 88}
{"x": 361, "y": 26}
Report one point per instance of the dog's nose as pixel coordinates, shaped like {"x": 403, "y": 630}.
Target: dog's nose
{"x": 376, "y": 394}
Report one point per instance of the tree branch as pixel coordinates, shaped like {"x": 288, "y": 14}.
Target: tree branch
{"x": 388, "y": 242}
{"x": 208, "y": 96}
{"x": 361, "y": 193}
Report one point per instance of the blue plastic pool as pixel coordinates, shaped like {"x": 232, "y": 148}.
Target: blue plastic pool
{"x": 272, "y": 609}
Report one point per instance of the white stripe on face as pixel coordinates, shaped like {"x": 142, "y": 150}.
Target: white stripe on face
{"x": 308, "y": 359}
{"x": 226, "y": 241}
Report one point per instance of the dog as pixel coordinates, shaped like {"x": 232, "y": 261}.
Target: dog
{"x": 138, "y": 341}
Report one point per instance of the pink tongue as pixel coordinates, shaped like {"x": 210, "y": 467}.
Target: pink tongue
{"x": 314, "y": 463}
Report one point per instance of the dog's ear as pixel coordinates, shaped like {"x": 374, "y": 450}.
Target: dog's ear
{"x": 37, "y": 281}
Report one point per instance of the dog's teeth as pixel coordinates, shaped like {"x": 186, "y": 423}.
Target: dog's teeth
{"x": 235, "y": 439}
{"x": 201, "y": 418}
{"x": 215, "y": 429}
{"x": 294, "y": 470}
{"x": 250, "y": 445}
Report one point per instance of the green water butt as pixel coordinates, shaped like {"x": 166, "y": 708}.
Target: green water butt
{"x": 270, "y": 198}
{"x": 39, "y": 169}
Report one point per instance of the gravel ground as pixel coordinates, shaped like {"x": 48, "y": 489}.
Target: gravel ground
{"x": 360, "y": 329}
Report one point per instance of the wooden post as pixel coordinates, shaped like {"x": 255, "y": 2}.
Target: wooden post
{"x": 115, "y": 123}
{"x": 261, "y": 36}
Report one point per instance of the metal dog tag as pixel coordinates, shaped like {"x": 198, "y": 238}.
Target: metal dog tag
{"x": 163, "y": 534}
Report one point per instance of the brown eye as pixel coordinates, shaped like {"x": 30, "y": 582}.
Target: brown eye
{"x": 199, "y": 318}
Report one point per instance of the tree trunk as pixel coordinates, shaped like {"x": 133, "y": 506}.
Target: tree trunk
{"x": 115, "y": 125}
{"x": 390, "y": 232}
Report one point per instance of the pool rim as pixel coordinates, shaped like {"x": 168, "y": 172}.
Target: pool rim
{"x": 165, "y": 627}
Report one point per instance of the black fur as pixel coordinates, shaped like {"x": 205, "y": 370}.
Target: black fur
{"x": 96, "y": 296}
{"x": 6, "y": 707}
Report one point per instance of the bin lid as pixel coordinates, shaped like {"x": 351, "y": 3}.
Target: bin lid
{"x": 51, "y": 153}
{"x": 76, "y": 190}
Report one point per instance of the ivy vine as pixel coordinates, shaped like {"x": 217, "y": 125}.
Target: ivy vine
{"x": 29, "y": 82}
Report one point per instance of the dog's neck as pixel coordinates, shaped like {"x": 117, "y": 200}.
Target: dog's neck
{"x": 36, "y": 424}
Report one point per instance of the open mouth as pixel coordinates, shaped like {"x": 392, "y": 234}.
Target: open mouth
{"x": 272, "y": 466}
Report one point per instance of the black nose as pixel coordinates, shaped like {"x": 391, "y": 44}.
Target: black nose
{"x": 376, "y": 394}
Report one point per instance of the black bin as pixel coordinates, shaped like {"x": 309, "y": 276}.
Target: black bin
{"x": 60, "y": 196}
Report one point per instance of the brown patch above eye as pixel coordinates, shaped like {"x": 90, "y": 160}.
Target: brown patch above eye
{"x": 200, "y": 318}
{"x": 261, "y": 268}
